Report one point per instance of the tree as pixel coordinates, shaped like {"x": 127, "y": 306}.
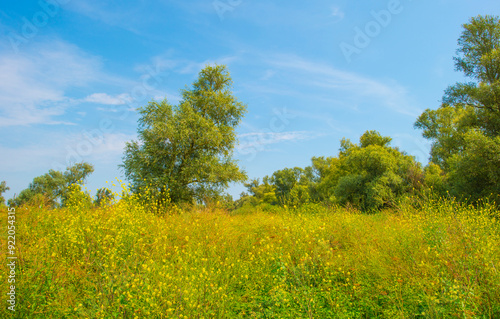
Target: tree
{"x": 3, "y": 189}
{"x": 475, "y": 173}
{"x": 465, "y": 129}
{"x": 185, "y": 151}
{"x": 479, "y": 59}
{"x": 326, "y": 174}
{"x": 373, "y": 174}
{"x": 54, "y": 185}
{"x": 260, "y": 193}
{"x": 285, "y": 181}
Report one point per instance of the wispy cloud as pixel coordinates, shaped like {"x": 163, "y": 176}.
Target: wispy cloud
{"x": 386, "y": 92}
{"x": 184, "y": 66}
{"x": 257, "y": 141}
{"x": 124, "y": 16}
{"x": 106, "y": 99}
{"x": 45, "y": 154}
{"x": 33, "y": 84}
{"x": 268, "y": 75}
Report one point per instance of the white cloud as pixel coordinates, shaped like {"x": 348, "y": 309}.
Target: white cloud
{"x": 33, "y": 83}
{"x": 165, "y": 63}
{"x": 256, "y": 141}
{"x": 111, "y": 148}
{"x": 85, "y": 146}
{"x": 103, "y": 98}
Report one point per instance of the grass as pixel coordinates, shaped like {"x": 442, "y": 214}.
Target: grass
{"x": 440, "y": 261}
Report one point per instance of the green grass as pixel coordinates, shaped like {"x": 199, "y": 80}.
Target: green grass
{"x": 441, "y": 261}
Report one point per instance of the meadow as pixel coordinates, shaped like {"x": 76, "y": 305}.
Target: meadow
{"x": 440, "y": 260}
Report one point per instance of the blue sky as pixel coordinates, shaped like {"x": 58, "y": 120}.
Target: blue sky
{"x": 73, "y": 73}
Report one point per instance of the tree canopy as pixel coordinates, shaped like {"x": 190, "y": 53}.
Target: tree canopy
{"x": 465, "y": 130}
{"x": 371, "y": 175}
{"x": 54, "y": 185}
{"x": 185, "y": 151}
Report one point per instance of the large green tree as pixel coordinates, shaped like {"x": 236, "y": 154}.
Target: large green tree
{"x": 54, "y": 185}
{"x": 465, "y": 130}
{"x": 186, "y": 150}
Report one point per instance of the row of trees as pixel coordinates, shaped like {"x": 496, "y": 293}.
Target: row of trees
{"x": 465, "y": 153}
{"x": 54, "y": 188}
{"x": 184, "y": 152}
{"x": 368, "y": 175}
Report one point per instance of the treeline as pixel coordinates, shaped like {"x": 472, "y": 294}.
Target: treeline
{"x": 368, "y": 175}
{"x": 184, "y": 152}
{"x": 57, "y": 189}
{"x": 465, "y": 152}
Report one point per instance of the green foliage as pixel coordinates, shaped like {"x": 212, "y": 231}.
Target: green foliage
{"x": 475, "y": 172}
{"x": 327, "y": 173}
{"x": 3, "y": 189}
{"x": 187, "y": 149}
{"x": 299, "y": 195}
{"x": 290, "y": 186}
{"x": 374, "y": 138}
{"x": 103, "y": 196}
{"x": 446, "y": 127}
{"x": 435, "y": 178}
{"x": 225, "y": 201}
{"x": 264, "y": 193}
{"x": 465, "y": 129}
{"x": 350, "y": 190}
{"x": 374, "y": 174}
{"x": 370, "y": 176}
{"x": 479, "y": 47}
{"x": 154, "y": 199}
{"x": 54, "y": 185}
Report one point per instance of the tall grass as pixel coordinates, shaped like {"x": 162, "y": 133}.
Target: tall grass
{"x": 119, "y": 261}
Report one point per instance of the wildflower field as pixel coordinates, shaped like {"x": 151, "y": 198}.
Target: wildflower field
{"x": 120, "y": 261}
